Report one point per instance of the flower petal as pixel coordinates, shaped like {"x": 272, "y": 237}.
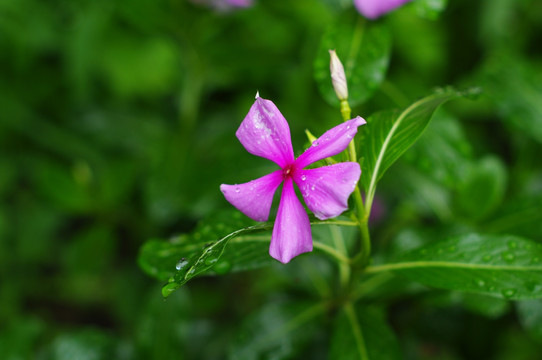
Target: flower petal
{"x": 254, "y": 198}
{"x": 265, "y": 132}
{"x": 326, "y": 189}
{"x": 374, "y": 8}
{"x": 331, "y": 143}
{"x": 292, "y": 230}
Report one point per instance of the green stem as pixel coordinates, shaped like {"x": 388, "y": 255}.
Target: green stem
{"x": 344, "y": 268}
{"x": 369, "y": 285}
{"x": 362, "y": 258}
{"x": 356, "y": 330}
{"x": 331, "y": 251}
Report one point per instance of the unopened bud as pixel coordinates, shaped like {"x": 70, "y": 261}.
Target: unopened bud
{"x": 338, "y": 78}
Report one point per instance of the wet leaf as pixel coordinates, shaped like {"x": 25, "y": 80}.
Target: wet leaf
{"x": 504, "y": 266}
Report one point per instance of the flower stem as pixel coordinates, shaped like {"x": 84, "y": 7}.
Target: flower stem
{"x": 362, "y": 258}
{"x": 344, "y": 268}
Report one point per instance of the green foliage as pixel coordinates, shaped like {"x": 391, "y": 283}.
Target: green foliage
{"x": 503, "y": 266}
{"x": 362, "y": 333}
{"x": 184, "y": 257}
{"x": 364, "y": 49}
{"x": 389, "y": 134}
{"x": 280, "y": 330}
{"x": 118, "y": 125}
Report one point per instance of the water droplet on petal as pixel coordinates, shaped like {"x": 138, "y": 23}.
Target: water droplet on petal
{"x": 237, "y": 190}
{"x": 312, "y": 188}
{"x": 303, "y": 177}
{"x": 316, "y": 143}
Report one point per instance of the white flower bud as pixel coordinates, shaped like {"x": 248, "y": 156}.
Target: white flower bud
{"x": 338, "y": 78}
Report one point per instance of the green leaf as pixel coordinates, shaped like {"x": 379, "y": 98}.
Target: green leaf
{"x": 225, "y": 242}
{"x": 364, "y": 49}
{"x": 389, "y": 134}
{"x": 482, "y": 188}
{"x": 186, "y": 256}
{"x": 497, "y": 265}
{"x": 362, "y": 333}
{"x": 279, "y": 330}
{"x": 430, "y": 9}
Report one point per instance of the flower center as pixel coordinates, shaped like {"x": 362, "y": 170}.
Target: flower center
{"x": 288, "y": 171}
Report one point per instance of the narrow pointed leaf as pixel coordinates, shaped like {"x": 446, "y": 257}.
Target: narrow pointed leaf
{"x": 364, "y": 49}
{"x": 389, "y": 134}
{"x": 362, "y": 333}
{"x": 504, "y": 266}
{"x": 202, "y": 251}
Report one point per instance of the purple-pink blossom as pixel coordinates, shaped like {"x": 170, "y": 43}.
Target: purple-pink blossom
{"x": 265, "y": 132}
{"x": 372, "y": 9}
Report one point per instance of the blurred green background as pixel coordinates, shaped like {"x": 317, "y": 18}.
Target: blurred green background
{"x": 117, "y": 123}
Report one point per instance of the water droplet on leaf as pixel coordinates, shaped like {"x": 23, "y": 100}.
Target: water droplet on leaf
{"x": 210, "y": 261}
{"x": 531, "y": 285}
{"x": 181, "y": 264}
{"x": 481, "y": 283}
{"x": 508, "y": 293}
{"x": 169, "y": 288}
{"x": 222, "y": 267}
{"x": 512, "y": 245}
{"x": 508, "y": 256}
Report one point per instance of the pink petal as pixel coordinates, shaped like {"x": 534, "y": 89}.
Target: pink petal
{"x": 265, "y": 132}
{"x": 374, "y": 8}
{"x": 254, "y": 198}
{"x": 292, "y": 230}
{"x": 331, "y": 143}
{"x": 326, "y": 189}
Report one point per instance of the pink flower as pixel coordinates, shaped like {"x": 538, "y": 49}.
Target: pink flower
{"x": 374, "y": 8}
{"x": 265, "y": 132}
